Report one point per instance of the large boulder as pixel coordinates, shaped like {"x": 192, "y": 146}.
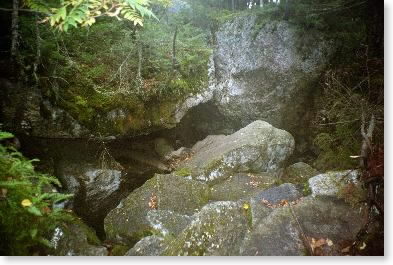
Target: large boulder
{"x": 275, "y": 195}
{"x": 167, "y": 222}
{"x": 290, "y": 230}
{"x": 148, "y": 246}
{"x": 276, "y": 235}
{"x": 258, "y": 147}
{"x": 217, "y": 230}
{"x": 241, "y": 186}
{"x": 129, "y": 220}
{"x": 298, "y": 173}
{"x": 330, "y": 183}
{"x": 76, "y": 239}
{"x": 267, "y": 71}
{"x": 262, "y": 203}
{"x": 95, "y": 190}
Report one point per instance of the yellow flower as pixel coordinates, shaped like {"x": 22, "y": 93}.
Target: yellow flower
{"x": 246, "y": 206}
{"x": 26, "y": 203}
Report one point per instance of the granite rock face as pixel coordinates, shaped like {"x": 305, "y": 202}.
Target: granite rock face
{"x": 258, "y": 147}
{"x": 329, "y": 183}
{"x": 217, "y": 230}
{"x": 95, "y": 190}
{"x": 148, "y": 246}
{"x": 281, "y": 231}
{"x": 266, "y": 71}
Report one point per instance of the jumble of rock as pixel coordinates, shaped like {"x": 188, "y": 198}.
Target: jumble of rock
{"x": 243, "y": 212}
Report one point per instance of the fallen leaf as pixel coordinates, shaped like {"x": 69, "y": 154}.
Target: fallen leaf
{"x": 346, "y": 250}
{"x": 329, "y": 242}
{"x": 153, "y": 201}
{"x": 317, "y": 243}
{"x": 363, "y": 246}
{"x": 26, "y": 203}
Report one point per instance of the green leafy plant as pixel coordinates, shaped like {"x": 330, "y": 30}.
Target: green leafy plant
{"x": 65, "y": 13}
{"x": 27, "y": 199}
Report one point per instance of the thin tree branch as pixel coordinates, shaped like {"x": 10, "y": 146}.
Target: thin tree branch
{"x": 23, "y": 10}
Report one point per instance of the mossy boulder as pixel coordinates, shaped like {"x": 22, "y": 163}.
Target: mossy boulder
{"x": 254, "y": 228}
{"x": 298, "y": 173}
{"x": 95, "y": 189}
{"x": 129, "y": 222}
{"x": 217, "y": 230}
{"x": 148, "y": 246}
{"x": 258, "y": 147}
{"x": 275, "y": 195}
{"x": 241, "y": 186}
{"x": 167, "y": 222}
{"x": 330, "y": 183}
{"x": 76, "y": 239}
{"x": 275, "y": 235}
{"x": 263, "y": 202}
{"x": 329, "y": 218}
{"x": 282, "y": 231}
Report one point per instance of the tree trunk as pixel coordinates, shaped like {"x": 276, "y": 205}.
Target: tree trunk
{"x": 140, "y": 58}
{"x": 38, "y": 50}
{"x": 14, "y": 34}
{"x": 375, "y": 27}
{"x": 286, "y": 12}
{"x": 174, "y": 61}
{"x": 139, "y": 74}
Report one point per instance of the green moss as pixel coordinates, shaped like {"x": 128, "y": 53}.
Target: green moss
{"x": 213, "y": 165}
{"x": 119, "y": 250}
{"x": 352, "y": 193}
{"x": 183, "y": 172}
{"x": 333, "y": 155}
{"x": 306, "y": 189}
{"x": 86, "y": 72}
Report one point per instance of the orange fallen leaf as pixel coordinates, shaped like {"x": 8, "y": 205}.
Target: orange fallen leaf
{"x": 153, "y": 201}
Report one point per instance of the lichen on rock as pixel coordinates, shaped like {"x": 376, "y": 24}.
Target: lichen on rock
{"x": 258, "y": 147}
